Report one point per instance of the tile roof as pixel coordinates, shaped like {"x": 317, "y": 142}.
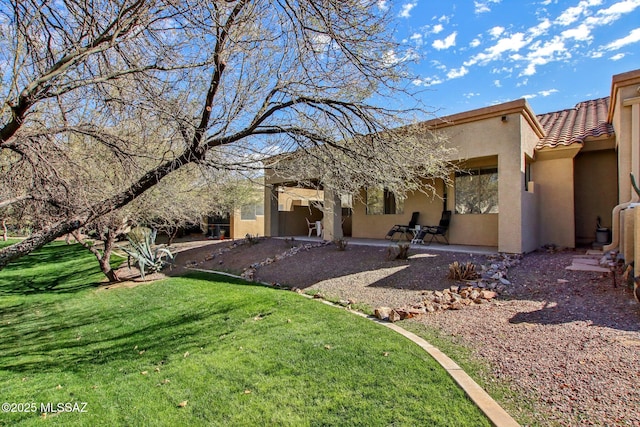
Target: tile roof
{"x": 566, "y": 127}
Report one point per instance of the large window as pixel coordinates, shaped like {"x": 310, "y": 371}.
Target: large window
{"x": 477, "y": 191}
{"x": 383, "y": 202}
{"x": 250, "y": 211}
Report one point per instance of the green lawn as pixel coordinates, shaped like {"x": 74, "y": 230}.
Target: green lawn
{"x": 236, "y": 353}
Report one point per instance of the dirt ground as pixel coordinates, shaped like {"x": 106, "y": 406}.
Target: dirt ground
{"x": 569, "y": 341}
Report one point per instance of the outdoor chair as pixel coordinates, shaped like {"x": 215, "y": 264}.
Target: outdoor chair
{"x": 404, "y": 230}
{"x": 313, "y": 225}
{"x": 435, "y": 231}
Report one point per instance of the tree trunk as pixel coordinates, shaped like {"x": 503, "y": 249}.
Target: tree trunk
{"x": 172, "y": 235}
{"x": 4, "y": 229}
{"x": 104, "y": 258}
{"x": 37, "y": 240}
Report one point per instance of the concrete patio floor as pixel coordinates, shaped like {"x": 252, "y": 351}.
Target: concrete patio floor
{"x": 479, "y": 250}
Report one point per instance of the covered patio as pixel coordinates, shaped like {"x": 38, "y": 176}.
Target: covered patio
{"x": 438, "y": 247}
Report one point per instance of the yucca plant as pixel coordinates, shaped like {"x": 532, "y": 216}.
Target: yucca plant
{"x": 143, "y": 251}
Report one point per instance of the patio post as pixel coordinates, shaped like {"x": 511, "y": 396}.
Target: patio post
{"x": 332, "y": 220}
{"x": 271, "y": 210}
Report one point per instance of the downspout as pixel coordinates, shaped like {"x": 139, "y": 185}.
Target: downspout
{"x": 615, "y": 226}
{"x": 635, "y": 171}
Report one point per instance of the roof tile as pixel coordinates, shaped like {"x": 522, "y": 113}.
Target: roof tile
{"x": 566, "y": 127}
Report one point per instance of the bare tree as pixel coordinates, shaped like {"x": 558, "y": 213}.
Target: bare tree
{"x": 160, "y": 84}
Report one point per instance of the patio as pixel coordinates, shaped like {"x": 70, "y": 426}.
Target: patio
{"x": 477, "y": 250}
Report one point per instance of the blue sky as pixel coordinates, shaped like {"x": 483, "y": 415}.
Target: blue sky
{"x": 556, "y": 53}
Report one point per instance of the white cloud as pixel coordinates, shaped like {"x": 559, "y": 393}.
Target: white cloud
{"x": 428, "y": 81}
{"x": 633, "y": 37}
{"x": 497, "y": 83}
{"x": 459, "y": 72}
{"x": 382, "y": 5}
{"x": 496, "y": 32}
{"x": 580, "y": 33}
{"x": 543, "y": 53}
{"x": 391, "y": 58}
{"x": 513, "y": 43}
{"x": 470, "y": 94}
{"x": 546, "y": 93}
{"x": 572, "y": 14}
{"x": 437, "y": 28}
{"x": 542, "y": 93}
{"x": 540, "y": 29}
{"x": 417, "y": 39}
{"x": 405, "y": 11}
{"x": 447, "y": 42}
{"x": 439, "y": 65}
{"x": 613, "y": 12}
{"x": 617, "y": 57}
{"x": 475, "y": 43}
{"x": 483, "y": 6}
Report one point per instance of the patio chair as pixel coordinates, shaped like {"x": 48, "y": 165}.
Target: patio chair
{"x": 313, "y": 225}
{"x": 404, "y": 229}
{"x": 435, "y": 231}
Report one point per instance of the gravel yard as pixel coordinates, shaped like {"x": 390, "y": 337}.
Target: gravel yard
{"x": 568, "y": 341}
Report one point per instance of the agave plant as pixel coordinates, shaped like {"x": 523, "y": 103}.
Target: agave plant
{"x": 143, "y": 251}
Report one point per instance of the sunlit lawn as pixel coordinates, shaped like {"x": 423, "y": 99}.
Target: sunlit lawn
{"x": 203, "y": 350}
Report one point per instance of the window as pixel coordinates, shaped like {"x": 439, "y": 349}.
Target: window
{"x": 477, "y": 191}
{"x": 250, "y": 211}
{"x": 383, "y": 202}
{"x": 527, "y": 172}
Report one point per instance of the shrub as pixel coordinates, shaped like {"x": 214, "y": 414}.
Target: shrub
{"x": 341, "y": 244}
{"x": 401, "y": 251}
{"x": 465, "y": 271}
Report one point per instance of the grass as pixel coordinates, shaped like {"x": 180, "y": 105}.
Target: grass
{"x": 232, "y": 353}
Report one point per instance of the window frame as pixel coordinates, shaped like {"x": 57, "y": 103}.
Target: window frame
{"x": 388, "y": 203}
{"x": 479, "y": 172}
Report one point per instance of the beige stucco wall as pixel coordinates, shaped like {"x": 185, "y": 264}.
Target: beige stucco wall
{"x": 553, "y": 178}
{"x": 377, "y": 226}
{"x": 625, "y": 89}
{"x": 501, "y": 138}
{"x": 240, "y": 228}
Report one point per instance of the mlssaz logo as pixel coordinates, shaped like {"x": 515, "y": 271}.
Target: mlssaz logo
{"x": 51, "y": 407}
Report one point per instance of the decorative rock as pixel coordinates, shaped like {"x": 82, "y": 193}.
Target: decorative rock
{"x": 394, "y": 316}
{"x": 382, "y": 313}
{"x": 488, "y": 295}
{"x": 504, "y": 281}
{"x": 456, "y": 306}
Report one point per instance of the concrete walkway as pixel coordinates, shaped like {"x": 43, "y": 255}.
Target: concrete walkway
{"x": 478, "y": 250}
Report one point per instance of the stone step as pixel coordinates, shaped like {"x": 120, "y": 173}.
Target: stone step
{"x": 587, "y": 267}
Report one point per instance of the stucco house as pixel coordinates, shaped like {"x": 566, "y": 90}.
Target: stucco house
{"x": 529, "y": 179}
